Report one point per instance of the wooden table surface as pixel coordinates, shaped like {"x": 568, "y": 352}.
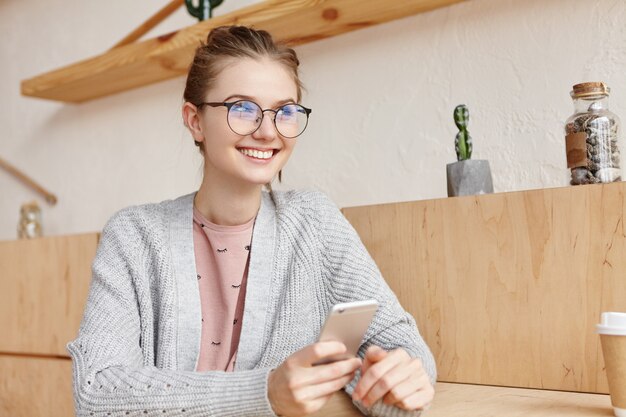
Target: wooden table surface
{"x": 487, "y": 401}
{"x": 466, "y": 400}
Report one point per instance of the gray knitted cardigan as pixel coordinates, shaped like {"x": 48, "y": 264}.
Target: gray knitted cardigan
{"x": 139, "y": 339}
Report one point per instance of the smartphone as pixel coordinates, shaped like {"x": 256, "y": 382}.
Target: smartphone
{"x": 347, "y": 323}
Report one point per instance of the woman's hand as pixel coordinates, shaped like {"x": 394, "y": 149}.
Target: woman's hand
{"x": 297, "y": 387}
{"x": 396, "y": 378}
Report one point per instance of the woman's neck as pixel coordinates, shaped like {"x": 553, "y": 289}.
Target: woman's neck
{"x": 228, "y": 205}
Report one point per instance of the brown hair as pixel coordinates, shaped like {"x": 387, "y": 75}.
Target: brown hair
{"x": 228, "y": 42}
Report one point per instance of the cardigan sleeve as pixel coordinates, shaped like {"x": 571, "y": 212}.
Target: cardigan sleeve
{"x": 353, "y": 276}
{"x": 111, "y": 375}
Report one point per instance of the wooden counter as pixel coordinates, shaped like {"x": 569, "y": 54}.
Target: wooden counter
{"x": 43, "y": 289}
{"x": 465, "y": 400}
{"x": 507, "y": 288}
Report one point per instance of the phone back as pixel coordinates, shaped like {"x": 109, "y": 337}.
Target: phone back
{"x": 348, "y": 323}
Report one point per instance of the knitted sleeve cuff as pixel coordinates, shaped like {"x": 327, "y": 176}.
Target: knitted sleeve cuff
{"x": 233, "y": 387}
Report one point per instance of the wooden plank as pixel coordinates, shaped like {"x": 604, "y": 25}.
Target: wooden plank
{"x": 35, "y": 387}
{"x": 507, "y": 288}
{"x": 462, "y": 400}
{"x": 43, "y": 289}
{"x": 293, "y": 21}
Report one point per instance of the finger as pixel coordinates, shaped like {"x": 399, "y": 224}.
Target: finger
{"x": 313, "y": 392}
{"x": 323, "y": 373}
{"x": 417, "y": 400}
{"x": 372, "y": 355}
{"x": 407, "y": 387}
{"x": 376, "y": 371}
{"x": 313, "y": 406}
{"x": 310, "y": 354}
{"x": 388, "y": 382}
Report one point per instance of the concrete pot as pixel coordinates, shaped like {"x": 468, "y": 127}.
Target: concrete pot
{"x": 469, "y": 177}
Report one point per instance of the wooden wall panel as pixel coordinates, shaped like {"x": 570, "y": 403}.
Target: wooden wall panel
{"x": 507, "y": 288}
{"x": 43, "y": 289}
{"x": 35, "y": 387}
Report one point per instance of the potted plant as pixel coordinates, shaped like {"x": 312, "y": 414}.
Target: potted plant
{"x": 204, "y": 9}
{"x": 466, "y": 176}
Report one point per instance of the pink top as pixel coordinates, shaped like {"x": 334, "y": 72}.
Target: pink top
{"x": 222, "y": 264}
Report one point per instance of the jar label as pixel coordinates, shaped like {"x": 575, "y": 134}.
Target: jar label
{"x": 576, "y": 147}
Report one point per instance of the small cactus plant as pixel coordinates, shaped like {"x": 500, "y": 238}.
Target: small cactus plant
{"x": 463, "y": 140}
{"x": 204, "y": 9}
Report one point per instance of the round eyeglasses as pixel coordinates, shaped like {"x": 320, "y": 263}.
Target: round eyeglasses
{"x": 245, "y": 117}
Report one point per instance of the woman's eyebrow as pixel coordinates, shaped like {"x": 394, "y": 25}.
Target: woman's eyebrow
{"x": 245, "y": 97}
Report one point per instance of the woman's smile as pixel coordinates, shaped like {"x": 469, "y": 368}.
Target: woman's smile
{"x": 258, "y": 155}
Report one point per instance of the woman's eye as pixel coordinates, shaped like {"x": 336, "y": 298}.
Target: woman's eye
{"x": 245, "y": 107}
{"x": 241, "y": 108}
{"x": 289, "y": 111}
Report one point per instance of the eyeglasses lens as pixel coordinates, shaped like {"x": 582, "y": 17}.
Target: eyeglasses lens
{"x": 291, "y": 120}
{"x": 244, "y": 117}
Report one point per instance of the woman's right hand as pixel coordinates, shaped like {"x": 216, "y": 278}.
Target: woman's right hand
{"x": 297, "y": 387}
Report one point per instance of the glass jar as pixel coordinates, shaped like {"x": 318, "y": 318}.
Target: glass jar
{"x": 592, "y": 136}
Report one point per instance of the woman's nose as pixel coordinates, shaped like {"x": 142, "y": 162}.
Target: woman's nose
{"x": 267, "y": 130}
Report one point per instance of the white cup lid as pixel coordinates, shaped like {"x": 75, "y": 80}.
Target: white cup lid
{"x": 612, "y": 323}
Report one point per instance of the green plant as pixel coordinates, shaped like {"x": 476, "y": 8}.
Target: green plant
{"x": 204, "y": 9}
{"x": 463, "y": 140}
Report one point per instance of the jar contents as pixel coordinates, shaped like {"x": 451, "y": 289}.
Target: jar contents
{"x": 592, "y": 136}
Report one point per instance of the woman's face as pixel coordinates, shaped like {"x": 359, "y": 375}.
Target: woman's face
{"x": 230, "y": 156}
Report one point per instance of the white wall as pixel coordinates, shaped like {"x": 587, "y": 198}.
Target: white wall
{"x": 381, "y": 130}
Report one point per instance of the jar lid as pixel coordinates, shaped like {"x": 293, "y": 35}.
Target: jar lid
{"x": 590, "y": 89}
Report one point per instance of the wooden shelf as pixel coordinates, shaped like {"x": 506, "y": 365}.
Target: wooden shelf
{"x": 168, "y": 56}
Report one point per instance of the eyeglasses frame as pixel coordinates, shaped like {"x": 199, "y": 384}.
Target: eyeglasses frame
{"x": 229, "y": 104}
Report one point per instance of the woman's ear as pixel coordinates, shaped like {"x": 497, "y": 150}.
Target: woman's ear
{"x": 191, "y": 119}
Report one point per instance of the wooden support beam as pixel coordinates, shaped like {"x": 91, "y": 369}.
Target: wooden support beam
{"x": 293, "y": 21}
{"x": 50, "y": 198}
{"x": 157, "y": 18}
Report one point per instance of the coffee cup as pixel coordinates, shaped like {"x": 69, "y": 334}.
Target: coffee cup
{"x": 612, "y": 330}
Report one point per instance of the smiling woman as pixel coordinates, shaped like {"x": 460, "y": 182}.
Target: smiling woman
{"x": 210, "y": 304}
{"x": 233, "y": 132}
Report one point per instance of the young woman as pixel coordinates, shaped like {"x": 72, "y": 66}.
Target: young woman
{"x": 211, "y": 304}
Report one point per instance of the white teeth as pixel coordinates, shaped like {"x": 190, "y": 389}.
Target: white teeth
{"x": 257, "y": 154}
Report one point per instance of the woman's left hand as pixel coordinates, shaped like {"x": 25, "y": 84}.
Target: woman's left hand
{"x": 396, "y": 378}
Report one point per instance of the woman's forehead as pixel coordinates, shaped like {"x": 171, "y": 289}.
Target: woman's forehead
{"x": 263, "y": 79}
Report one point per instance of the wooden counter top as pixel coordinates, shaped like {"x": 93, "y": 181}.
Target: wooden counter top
{"x": 467, "y": 400}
